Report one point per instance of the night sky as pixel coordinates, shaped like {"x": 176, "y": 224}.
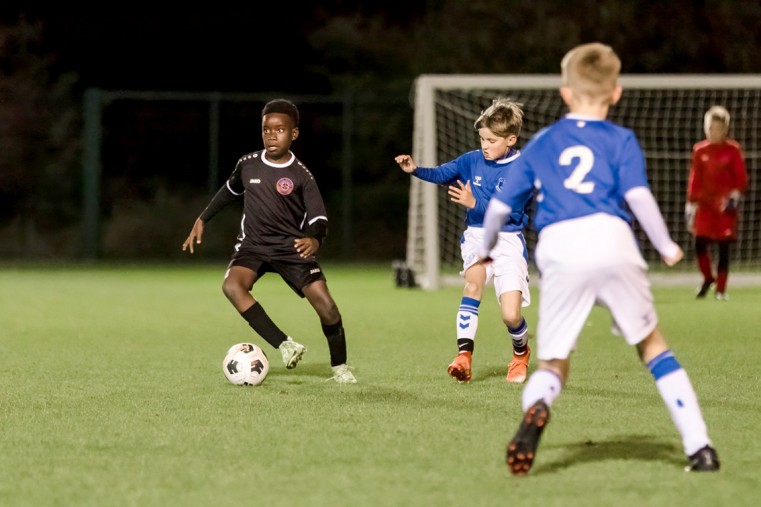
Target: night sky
{"x": 266, "y": 45}
{"x": 262, "y": 46}
{"x": 229, "y": 51}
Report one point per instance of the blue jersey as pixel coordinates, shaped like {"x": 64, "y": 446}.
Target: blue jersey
{"x": 486, "y": 179}
{"x": 578, "y": 166}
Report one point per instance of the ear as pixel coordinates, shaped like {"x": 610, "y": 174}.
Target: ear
{"x": 566, "y": 94}
{"x": 294, "y": 134}
{"x": 512, "y": 139}
{"x": 616, "y": 94}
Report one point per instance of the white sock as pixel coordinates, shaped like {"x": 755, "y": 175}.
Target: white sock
{"x": 467, "y": 318}
{"x": 679, "y": 397}
{"x": 541, "y": 385}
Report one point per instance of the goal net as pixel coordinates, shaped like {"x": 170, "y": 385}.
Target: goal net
{"x": 665, "y": 111}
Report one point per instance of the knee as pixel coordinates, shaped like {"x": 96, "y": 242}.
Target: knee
{"x": 511, "y": 311}
{"x": 512, "y": 318}
{"x": 332, "y": 315}
{"x": 473, "y": 290}
{"x": 328, "y": 312}
{"x": 231, "y": 289}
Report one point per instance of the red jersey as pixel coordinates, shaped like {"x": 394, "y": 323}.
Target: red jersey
{"x": 717, "y": 170}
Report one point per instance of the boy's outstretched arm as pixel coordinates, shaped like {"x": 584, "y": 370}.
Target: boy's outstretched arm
{"x": 406, "y": 163}
{"x": 195, "y": 236}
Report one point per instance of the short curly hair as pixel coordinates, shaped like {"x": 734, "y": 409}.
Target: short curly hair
{"x": 282, "y": 106}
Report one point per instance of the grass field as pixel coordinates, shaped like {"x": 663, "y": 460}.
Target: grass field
{"x": 113, "y": 395}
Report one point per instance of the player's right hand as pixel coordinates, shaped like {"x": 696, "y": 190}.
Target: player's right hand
{"x": 196, "y": 233}
{"x": 406, "y": 163}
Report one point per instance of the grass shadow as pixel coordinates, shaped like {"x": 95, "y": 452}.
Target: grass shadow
{"x": 628, "y": 447}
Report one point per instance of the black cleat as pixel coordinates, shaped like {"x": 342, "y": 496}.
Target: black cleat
{"x": 705, "y": 460}
{"x": 703, "y": 289}
{"x": 522, "y": 448}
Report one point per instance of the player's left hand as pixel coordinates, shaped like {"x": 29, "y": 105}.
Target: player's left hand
{"x": 462, "y": 194}
{"x": 671, "y": 261}
{"x": 306, "y": 247}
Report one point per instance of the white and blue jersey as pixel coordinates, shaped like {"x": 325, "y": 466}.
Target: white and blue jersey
{"x": 589, "y": 180}
{"x": 578, "y": 166}
{"x": 486, "y": 179}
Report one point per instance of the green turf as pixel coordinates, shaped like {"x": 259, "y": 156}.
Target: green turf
{"x": 113, "y": 395}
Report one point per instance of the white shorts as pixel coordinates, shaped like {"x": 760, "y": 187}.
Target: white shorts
{"x": 509, "y": 268}
{"x": 589, "y": 261}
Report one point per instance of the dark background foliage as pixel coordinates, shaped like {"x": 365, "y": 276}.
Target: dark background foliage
{"x": 155, "y": 153}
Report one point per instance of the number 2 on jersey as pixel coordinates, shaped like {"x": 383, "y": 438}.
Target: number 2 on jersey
{"x": 585, "y": 160}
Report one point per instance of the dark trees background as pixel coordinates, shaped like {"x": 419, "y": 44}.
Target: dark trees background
{"x": 155, "y": 153}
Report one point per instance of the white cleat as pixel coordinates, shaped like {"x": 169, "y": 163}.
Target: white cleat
{"x": 292, "y": 352}
{"x": 342, "y": 374}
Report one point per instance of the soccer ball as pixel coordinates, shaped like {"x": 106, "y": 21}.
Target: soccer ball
{"x": 245, "y": 364}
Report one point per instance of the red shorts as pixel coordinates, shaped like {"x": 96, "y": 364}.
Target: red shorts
{"x": 716, "y": 225}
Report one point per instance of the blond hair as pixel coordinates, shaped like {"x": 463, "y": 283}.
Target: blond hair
{"x": 716, "y": 113}
{"x": 591, "y": 70}
{"x": 504, "y": 117}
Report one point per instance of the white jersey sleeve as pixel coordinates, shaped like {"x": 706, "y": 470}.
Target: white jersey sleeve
{"x": 642, "y": 203}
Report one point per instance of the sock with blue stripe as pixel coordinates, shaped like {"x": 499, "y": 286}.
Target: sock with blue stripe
{"x": 680, "y": 399}
{"x": 467, "y": 324}
{"x": 519, "y": 336}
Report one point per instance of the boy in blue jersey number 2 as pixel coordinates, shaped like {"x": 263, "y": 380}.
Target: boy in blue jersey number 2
{"x": 584, "y": 172}
{"x": 473, "y": 178}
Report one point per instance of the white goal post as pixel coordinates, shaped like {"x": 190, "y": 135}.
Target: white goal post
{"x": 665, "y": 111}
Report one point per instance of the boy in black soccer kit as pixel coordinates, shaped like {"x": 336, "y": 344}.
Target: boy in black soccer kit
{"x": 284, "y": 223}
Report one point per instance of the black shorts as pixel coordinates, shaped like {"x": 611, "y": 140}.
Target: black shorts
{"x": 295, "y": 271}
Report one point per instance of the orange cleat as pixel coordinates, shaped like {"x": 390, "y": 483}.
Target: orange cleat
{"x": 518, "y": 367}
{"x": 460, "y": 367}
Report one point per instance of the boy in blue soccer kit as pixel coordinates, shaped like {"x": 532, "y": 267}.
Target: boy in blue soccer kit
{"x": 585, "y": 172}
{"x": 473, "y": 178}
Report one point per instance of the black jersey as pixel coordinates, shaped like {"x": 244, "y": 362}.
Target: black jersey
{"x": 281, "y": 202}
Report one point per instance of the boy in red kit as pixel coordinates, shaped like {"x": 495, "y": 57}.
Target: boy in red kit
{"x": 717, "y": 179}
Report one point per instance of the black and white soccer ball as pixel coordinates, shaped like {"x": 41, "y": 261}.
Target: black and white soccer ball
{"x": 245, "y": 364}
